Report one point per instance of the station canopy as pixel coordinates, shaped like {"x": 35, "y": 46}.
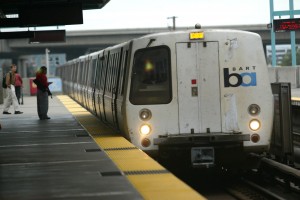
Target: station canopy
{"x": 33, "y": 13}
{"x": 37, "y": 13}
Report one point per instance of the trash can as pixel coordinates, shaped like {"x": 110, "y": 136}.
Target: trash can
{"x": 33, "y": 87}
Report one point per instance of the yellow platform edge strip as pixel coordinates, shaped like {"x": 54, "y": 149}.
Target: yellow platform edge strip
{"x": 129, "y": 158}
{"x": 295, "y": 98}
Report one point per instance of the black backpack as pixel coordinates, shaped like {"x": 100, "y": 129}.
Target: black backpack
{"x": 4, "y": 81}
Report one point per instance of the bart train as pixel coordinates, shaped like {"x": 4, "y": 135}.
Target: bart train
{"x": 202, "y": 94}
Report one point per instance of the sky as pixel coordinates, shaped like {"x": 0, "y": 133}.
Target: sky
{"x": 122, "y": 14}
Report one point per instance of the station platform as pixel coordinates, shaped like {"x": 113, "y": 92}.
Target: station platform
{"x": 295, "y": 93}
{"x": 74, "y": 156}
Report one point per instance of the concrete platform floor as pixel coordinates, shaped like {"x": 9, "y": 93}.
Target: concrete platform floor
{"x": 55, "y": 159}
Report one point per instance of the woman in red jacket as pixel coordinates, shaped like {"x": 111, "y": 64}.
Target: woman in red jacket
{"x": 18, "y": 86}
{"x": 42, "y": 93}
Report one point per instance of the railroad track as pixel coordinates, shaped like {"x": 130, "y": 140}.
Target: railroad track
{"x": 247, "y": 190}
{"x": 261, "y": 188}
{"x": 271, "y": 181}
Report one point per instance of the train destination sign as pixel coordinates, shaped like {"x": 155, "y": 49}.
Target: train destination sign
{"x": 283, "y": 25}
{"x": 196, "y": 35}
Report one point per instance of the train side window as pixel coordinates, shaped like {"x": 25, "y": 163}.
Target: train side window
{"x": 70, "y": 70}
{"x": 77, "y": 72}
{"x": 113, "y": 69}
{"x": 83, "y": 72}
{"x": 112, "y": 66}
{"x": 151, "y": 77}
{"x": 123, "y": 73}
{"x": 103, "y": 64}
{"x": 91, "y": 72}
{"x": 111, "y": 76}
{"x": 99, "y": 71}
{"x": 87, "y": 67}
{"x": 108, "y": 75}
{"x": 81, "y": 75}
{"x": 86, "y": 64}
{"x": 92, "y": 80}
{"x": 115, "y": 74}
{"x": 104, "y": 70}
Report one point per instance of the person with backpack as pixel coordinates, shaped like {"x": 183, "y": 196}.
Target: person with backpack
{"x": 10, "y": 80}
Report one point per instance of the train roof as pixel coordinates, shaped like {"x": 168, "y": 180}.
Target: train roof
{"x": 209, "y": 30}
{"x": 166, "y": 34}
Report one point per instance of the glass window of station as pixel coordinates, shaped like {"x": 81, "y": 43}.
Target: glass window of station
{"x": 151, "y": 76}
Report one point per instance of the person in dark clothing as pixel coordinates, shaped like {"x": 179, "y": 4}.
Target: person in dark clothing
{"x": 42, "y": 93}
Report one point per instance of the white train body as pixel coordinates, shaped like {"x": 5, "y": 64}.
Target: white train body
{"x": 196, "y": 89}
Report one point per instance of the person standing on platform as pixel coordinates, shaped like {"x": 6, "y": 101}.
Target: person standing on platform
{"x": 18, "y": 86}
{"x": 10, "y": 91}
{"x": 42, "y": 93}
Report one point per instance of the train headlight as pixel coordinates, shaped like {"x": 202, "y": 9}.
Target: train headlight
{"x": 254, "y": 124}
{"x": 145, "y": 129}
{"x": 145, "y": 114}
{"x": 254, "y": 109}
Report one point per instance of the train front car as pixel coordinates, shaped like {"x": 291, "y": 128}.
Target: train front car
{"x": 202, "y": 96}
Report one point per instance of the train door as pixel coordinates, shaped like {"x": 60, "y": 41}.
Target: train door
{"x": 100, "y": 83}
{"x": 198, "y": 87}
{"x": 115, "y": 86}
{"x": 91, "y": 85}
{"x": 121, "y": 87}
{"x": 104, "y": 82}
{"x": 94, "y": 85}
{"x": 81, "y": 80}
{"x": 111, "y": 89}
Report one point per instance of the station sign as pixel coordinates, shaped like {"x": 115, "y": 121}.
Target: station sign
{"x": 284, "y": 25}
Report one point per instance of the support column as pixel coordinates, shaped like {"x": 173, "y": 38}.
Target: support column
{"x": 293, "y": 37}
{"x": 291, "y": 13}
{"x": 273, "y": 37}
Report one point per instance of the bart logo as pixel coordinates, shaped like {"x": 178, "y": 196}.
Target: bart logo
{"x": 245, "y": 79}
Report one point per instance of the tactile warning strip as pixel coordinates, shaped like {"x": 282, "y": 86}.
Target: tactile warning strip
{"x": 121, "y": 148}
{"x": 146, "y": 172}
{"x": 151, "y": 179}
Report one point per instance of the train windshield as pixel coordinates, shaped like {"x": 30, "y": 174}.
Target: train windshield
{"x": 151, "y": 77}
